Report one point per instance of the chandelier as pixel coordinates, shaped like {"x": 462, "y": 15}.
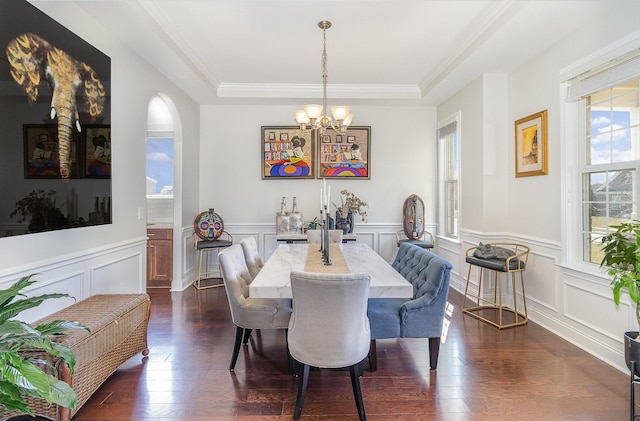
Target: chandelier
{"x": 313, "y": 116}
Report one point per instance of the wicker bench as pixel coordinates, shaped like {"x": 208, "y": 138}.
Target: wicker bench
{"x": 118, "y": 324}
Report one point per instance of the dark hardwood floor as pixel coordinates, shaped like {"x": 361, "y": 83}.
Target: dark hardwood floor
{"x": 525, "y": 373}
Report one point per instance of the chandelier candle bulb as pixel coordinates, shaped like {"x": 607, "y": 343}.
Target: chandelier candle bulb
{"x": 302, "y": 117}
{"x": 314, "y": 111}
{"x": 340, "y": 113}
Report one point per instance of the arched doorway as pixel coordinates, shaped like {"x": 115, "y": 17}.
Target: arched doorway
{"x": 163, "y": 175}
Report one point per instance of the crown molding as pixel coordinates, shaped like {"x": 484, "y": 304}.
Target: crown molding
{"x": 283, "y": 90}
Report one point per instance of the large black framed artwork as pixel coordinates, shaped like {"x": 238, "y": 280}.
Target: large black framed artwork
{"x": 47, "y": 122}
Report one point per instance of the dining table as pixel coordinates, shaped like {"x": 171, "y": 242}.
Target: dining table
{"x": 273, "y": 280}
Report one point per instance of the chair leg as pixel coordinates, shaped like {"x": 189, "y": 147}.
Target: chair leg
{"x": 373, "y": 356}
{"x": 357, "y": 392}
{"x": 236, "y": 347}
{"x": 434, "y": 351}
{"x": 247, "y": 334}
{"x": 302, "y": 389}
{"x": 632, "y": 391}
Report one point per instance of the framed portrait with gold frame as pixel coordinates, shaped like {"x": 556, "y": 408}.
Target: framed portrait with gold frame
{"x": 531, "y": 145}
{"x": 287, "y": 153}
{"x": 340, "y": 159}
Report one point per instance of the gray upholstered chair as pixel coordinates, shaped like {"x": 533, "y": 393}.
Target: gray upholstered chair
{"x": 420, "y": 317}
{"x": 329, "y": 327}
{"x": 248, "y": 313}
{"x": 251, "y": 255}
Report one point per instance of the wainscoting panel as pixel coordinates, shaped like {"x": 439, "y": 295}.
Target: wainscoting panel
{"x": 71, "y": 283}
{"x": 117, "y": 268}
{"x": 585, "y": 302}
{"x": 114, "y": 276}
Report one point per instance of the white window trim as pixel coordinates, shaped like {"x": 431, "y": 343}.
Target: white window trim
{"x": 441, "y": 213}
{"x": 573, "y": 148}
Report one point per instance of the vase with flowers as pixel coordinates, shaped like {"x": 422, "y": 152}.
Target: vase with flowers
{"x": 350, "y": 204}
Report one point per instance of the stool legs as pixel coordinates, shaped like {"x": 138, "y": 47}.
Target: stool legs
{"x": 486, "y": 305}
{"x": 203, "y": 270}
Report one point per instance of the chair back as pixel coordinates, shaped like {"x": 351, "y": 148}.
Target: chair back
{"x": 314, "y": 236}
{"x": 237, "y": 278}
{"x": 335, "y": 236}
{"x": 430, "y": 276}
{"x": 251, "y": 255}
{"x": 329, "y": 327}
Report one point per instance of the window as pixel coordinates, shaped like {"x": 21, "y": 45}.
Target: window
{"x": 160, "y": 166}
{"x": 609, "y": 148}
{"x": 448, "y": 177}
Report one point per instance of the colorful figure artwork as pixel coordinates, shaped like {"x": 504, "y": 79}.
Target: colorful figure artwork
{"x": 346, "y": 159}
{"x": 288, "y": 153}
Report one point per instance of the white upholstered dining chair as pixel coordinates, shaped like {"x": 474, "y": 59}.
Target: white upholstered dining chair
{"x": 329, "y": 327}
{"x": 248, "y": 313}
{"x": 251, "y": 255}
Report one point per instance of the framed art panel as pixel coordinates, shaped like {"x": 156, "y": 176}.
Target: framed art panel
{"x": 531, "y": 145}
{"x": 42, "y": 152}
{"x": 96, "y": 151}
{"x": 287, "y": 152}
{"x": 346, "y": 155}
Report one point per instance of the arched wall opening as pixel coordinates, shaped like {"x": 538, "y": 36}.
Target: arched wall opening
{"x": 164, "y": 174}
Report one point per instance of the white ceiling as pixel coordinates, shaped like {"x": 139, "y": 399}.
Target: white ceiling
{"x": 386, "y": 51}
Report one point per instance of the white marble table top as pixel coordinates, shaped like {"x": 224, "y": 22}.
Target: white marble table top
{"x": 273, "y": 280}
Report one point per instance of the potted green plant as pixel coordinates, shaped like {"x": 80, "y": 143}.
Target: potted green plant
{"x": 621, "y": 249}
{"x": 20, "y": 374}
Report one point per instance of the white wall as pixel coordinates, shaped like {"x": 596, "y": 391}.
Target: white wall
{"x": 576, "y": 305}
{"x": 402, "y": 163}
{"x": 109, "y": 258}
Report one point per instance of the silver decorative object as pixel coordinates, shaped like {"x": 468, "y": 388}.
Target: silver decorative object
{"x": 282, "y": 219}
{"x": 295, "y": 219}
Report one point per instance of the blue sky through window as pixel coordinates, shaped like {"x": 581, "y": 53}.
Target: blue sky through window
{"x": 160, "y": 161}
{"x": 610, "y": 137}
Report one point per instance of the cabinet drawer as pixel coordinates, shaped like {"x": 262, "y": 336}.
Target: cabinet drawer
{"x": 160, "y": 234}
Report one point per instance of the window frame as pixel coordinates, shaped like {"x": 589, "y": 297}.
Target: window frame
{"x": 443, "y": 214}
{"x": 574, "y": 150}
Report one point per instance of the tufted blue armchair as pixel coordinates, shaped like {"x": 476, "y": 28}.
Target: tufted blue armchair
{"x": 420, "y": 317}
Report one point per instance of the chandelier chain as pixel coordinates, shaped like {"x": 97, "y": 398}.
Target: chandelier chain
{"x": 316, "y": 116}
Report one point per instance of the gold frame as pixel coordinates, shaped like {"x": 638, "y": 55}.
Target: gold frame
{"x": 278, "y": 161}
{"x": 531, "y": 145}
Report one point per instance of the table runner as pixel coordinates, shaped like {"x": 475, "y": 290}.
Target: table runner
{"x": 314, "y": 262}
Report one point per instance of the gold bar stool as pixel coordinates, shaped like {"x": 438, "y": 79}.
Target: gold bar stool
{"x": 204, "y": 248}
{"x": 493, "y": 257}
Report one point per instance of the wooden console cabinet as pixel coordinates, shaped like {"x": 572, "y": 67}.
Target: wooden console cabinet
{"x": 159, "y": 258}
